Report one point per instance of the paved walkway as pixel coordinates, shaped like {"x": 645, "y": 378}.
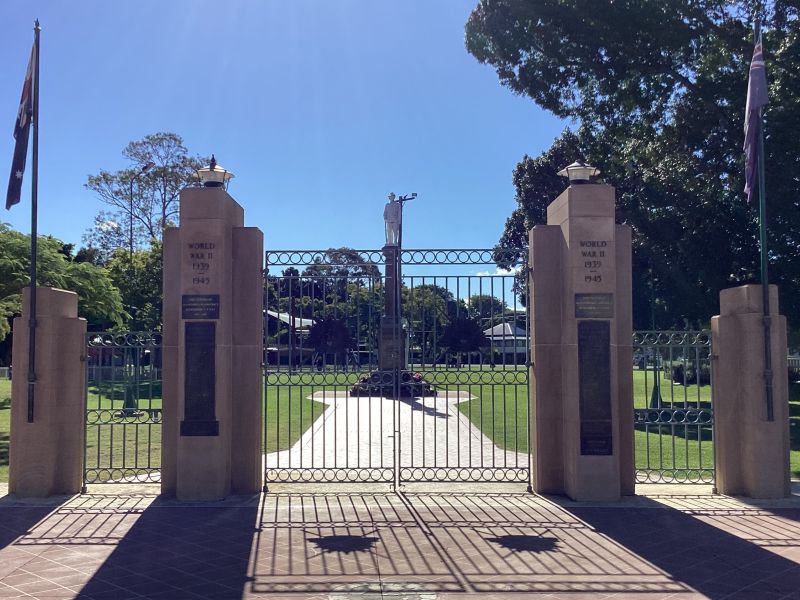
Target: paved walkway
{"x": 431, "y": 546}
{"x": 358, "y": 433}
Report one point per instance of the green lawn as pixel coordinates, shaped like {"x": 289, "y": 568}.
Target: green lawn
{"x": 134, "y": 443}
{"x": 117, "y": 445}
{"x": 657, "y": 446}
{"x": 499, "y": 407}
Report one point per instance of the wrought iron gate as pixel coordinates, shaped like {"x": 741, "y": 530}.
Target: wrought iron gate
{"x": 352, "y": 396}
{"x": 673, "y": 414}
{"x": 123, "y": 407}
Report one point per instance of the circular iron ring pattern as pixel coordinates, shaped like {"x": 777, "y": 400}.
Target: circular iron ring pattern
{"x": 474, "y": 474}
{"x": 123, "y": 339}
{"x": 689, "y": 476}
{"x": 117, "y": 416}
{"x": 122, "y": 475}
{"x": 426, "y": 256}
{"x": 651, "y": 339}
{"x": 674, "y": 416}
{"x": 306, "y": 475}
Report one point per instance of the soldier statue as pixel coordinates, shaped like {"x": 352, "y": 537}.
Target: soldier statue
{"x": 392, "y": 215}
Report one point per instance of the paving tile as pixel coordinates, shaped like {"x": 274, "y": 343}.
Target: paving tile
{"x": 446, "y": 544}
{"x": 9, "y": 592}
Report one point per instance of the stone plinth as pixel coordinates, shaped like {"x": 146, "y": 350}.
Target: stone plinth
{"x": 213, "y": 345}
{"x": 46, "y": 456}
{"x": 581, "y": 327}
{"x": 752, "y": 453}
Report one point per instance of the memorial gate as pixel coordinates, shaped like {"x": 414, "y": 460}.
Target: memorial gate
{"x": 400, "y": 366}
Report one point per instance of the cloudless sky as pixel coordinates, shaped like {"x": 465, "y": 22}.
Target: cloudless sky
{"x": 320, "y": 108}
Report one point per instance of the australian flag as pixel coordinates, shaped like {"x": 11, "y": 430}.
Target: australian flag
{"x": 21, "y": 133}
{"x": 756, "y": 100}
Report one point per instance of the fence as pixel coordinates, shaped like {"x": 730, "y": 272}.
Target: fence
{"x": 456, "y": 410}
{"x": 673, "y": 415}
{"x": 123, "y": 407}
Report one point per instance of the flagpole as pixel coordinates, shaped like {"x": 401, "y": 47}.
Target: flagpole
{"x": 762, "y": 234}
{"x": 762, "y": 238}
{"x": 34, "y": 211}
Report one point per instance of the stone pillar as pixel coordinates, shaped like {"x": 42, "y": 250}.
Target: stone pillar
{"x": 752, "y": 454}
{"x": 392, "y": 346}
{"x": 212, "y": 346}
{"x": 581, "y": 326}
{"x": 46, "y": 456}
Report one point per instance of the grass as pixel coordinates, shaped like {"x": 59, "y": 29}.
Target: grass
{"x": 656, "y": 446}
{"x": 499, "y": 404}
{"x": 124, "y": 446}
{"x": 135, "y": 442}
{"x": 289, "y": 412}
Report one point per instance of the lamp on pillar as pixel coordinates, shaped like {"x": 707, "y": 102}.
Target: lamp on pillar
{"x": 214, "y": 175}
{"x": 579, "y": 173}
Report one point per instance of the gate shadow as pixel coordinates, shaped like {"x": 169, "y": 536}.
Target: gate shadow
{"x": 17, "y": 519}
{"x": 716, "y": 550}
{"x": 438, "y": 543}
{"x": 177, "y": 550}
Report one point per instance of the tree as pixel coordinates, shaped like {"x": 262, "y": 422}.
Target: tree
{"x": 330, "y": 336}
{"x": 657, "y": 90}
{"x": 487, "y": 310}
{"x": 140, "y": 285}
{"x": 98, "y": 300}
{"x": 160, "y": 167}
{"x": 429, "y": 308}
{"x": 463, "y": 335}
{"x": 331, "y": 274}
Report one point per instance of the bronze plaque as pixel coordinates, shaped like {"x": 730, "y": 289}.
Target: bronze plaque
{"x": 199, "y": 416}
{"x": 200, "y": 306}
{"x": 594, "y": 306}
{"x": 594, "y": 385}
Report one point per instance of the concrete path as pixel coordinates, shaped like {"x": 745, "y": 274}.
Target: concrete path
{"x": 436, "y": 439}
{"x": 378, "y": 545}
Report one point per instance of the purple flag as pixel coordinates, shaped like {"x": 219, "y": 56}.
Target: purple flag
{"x": 22, "y": 127}
{"x": 756, "y": 99}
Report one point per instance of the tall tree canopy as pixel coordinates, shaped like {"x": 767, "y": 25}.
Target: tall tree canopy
{"x": 98, "y": 300}
{"x": 657, "y": 91}
{"x": 146, "y": 192}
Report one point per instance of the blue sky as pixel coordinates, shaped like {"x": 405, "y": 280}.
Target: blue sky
{"x": 320, "y": 108}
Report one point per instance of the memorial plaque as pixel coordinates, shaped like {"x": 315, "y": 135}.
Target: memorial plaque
{"x": 200, "y": 306}
{"x": 594, "y": 385}
{"x": 594, "y": 306}
{"x": 199, "y": 410}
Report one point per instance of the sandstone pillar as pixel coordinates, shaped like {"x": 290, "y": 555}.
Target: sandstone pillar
{"x": 46, "y": 456}
{"x": 752, "y": 453}
{"x": 213, "y": 348}
{"x": 581, "y": 326}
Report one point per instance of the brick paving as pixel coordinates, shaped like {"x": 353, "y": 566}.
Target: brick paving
{"x": 418, "y": 545}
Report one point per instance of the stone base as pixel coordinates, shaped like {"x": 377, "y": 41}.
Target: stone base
{"x": 381, "y": 383}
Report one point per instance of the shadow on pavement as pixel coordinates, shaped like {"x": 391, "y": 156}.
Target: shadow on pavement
{"x": 182, "y": 551}
{"x": 715, "y": 550}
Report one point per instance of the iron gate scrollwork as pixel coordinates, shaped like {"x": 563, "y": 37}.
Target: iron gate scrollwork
{"x": 123, "y": 407}
{"x": 673, "y": 414}
{"x": 436, "y": 391}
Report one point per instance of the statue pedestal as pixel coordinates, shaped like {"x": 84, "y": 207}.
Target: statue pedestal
{"x": 392, "y": 379}
{"x": 392, "y": 345}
